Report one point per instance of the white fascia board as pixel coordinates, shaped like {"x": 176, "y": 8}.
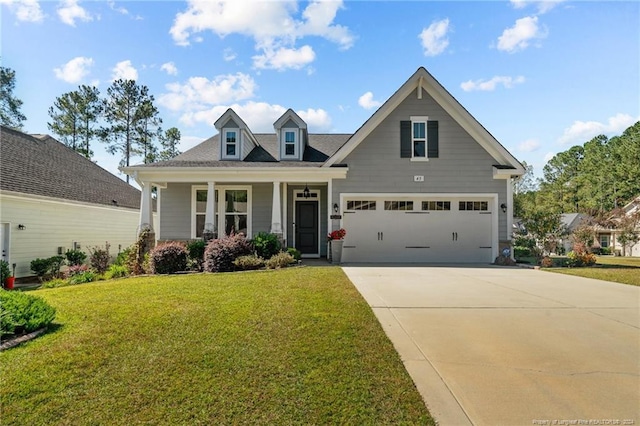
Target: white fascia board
{"x": 506, "y": 173}
{"x": 241, "y": 174}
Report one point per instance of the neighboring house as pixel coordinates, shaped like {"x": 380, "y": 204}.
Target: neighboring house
{"x": 608, "y": 237}
{"x": 570, "y": 221}
{"x": 420, "y": 181}
{"x": 53, "y": 199}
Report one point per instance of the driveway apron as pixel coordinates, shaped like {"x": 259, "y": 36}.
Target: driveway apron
{"x": 509, "y": 346}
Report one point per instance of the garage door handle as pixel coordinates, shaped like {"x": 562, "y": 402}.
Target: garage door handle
{"x": 454, "y": 236}
{"x": 380, "y": 236}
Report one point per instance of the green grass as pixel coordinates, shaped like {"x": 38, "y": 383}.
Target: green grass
{"x": 280, "y": 347}
{"x": 624, "y": 270}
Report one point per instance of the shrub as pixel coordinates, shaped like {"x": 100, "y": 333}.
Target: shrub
{"x": 248, "y": 263}
{"x": 168, "y": 258}
{"x": 45, "y": 267}
{"x": 520, "y": 252}
{"x": 605, "y": 251}
{"x": 195, "y": 250}
{"x": 295, "y": 253}
{"x": 75, "y": 270}
{"x": 84, "y": 277}
{"x": 75, "y": 257}
{"x": 22, "y": 312}
{"x": 280, "y": 260}
{"x": 116, "y": 271}
{"x": 4, "y": 271}
{"x": 266, "y": 245}
{"x": 220, "y": 253}
{"x": 55, "y": 263}
{"x": 99, "y": 258}
{"x": 546, "y": 262}
{"x": 123, "y": 256}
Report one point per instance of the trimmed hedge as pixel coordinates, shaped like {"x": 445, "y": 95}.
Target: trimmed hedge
{"x": 21, "y": 312}
{"x": 220, "y": 254}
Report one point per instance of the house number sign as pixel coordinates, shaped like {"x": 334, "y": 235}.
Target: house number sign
{"x": 418, "y": 178}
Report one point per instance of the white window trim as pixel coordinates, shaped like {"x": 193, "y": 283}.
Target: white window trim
{"x": 220, "y": 213}
{"x": 224, "y": 144}
{"x": 295, "y": 200}
{"x": 296, "y": 144}
{"x": 420, "y": 119}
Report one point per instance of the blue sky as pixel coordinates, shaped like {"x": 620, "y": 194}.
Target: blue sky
{"x": 540, "y": 76}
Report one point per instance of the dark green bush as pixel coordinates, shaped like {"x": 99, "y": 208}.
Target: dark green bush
{"x": 75, "y": 257}
{"x": 195, "y": 250}
{"x": 116, "y": 271}
{"x": 295, "y": 253}
{"x": 248, "y": 263}
{"x": 168, "y": 258}
{"x": 22, "y": 312}
{"x": 4, "y": 271}
{"x": 47, "y": 267}
{"x": 280, "y": 260}
{"x": 220, "y": 253}
{"x": 266, "y": 245}
{"x": 520, "y": 252}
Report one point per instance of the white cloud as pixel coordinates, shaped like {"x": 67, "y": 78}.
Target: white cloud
{"x": 199, "y": 93}
{"x": 317, "y": 120}
{"x": 543, "y": 6}
{"x": 169, "y": 68}
{"x": 548, "y": 156}
{"x": 583, "y": 131}
{"x": 529, "y": 145}
{"x": 229, "y": 55}
{"x": 434, "y": 38}
{"x": 366, "y": 101}
{"x": 70, "y": 11}
{"x": 124, "y": 70}
{"x": 25, "y": 10}
{"x": 489, "y": 85}
{"x": 74, "y": 70}
{"x": 284, "y": 58}
{"x": 520, "y": 35}
{"x": 272, "y": 24}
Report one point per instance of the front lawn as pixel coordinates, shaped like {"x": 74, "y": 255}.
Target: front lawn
{"x": 625, "y": 270}
{"x": 278, "y": 347}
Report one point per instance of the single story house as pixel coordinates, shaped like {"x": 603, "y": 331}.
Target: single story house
{"x": 607, "y": 237}
{"x": 420, "y": 181}
{"x": 53, "y": 199}
{"x": 570, "y": 222}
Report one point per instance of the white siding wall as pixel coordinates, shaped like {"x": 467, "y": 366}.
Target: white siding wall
{"x": 52, "y": 223}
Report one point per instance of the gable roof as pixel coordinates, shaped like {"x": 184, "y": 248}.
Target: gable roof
{"x": 289, "y": 115}
{"x": 422, "y": 80}
{"x": 571, "y": 220}
{"x": 207, "y": 153}
{"x": 230, "y": 114}
{"x": 43, "y": 166}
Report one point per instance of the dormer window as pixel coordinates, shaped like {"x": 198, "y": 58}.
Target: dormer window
{"x": 290, "y": 143}
{"x": 231, "y": 140}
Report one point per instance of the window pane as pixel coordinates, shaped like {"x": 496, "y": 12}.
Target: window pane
{"x": 201, "y": 200}
{"x": 236, "y": 201}
{"x": 419, "y": 149}
{"x": 231, "y": 137}
{"x": 289, "y": 137}
{"x": 231, "y": 150}
{"x": 418, "y": 130}
{"x": 199, "y": 225}
{"x": 235, "y": 223}
{"x": 289, "y": 149}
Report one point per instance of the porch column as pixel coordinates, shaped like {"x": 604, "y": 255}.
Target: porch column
{"x": 276, "y": 210}
{"x": 210, "y": 213}
{"x": 146, "y": 209}
{"x": 510, "y": 215}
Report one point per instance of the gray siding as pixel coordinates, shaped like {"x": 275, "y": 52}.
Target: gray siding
{"x": 463, "y": 165}
{"x": 290, "y": 124}
{"x": 175, "y": 220}
{"x": 175, "y": 212}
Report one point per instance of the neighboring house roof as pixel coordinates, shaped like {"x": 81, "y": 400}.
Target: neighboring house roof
{"x": 572, "y": 220}
{"x": 422, "y": 80}
{"x": 43, "y": 166}
{"x": 207, "y": 153}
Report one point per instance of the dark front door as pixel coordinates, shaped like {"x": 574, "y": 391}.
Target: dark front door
{"x": 307, "y": 227}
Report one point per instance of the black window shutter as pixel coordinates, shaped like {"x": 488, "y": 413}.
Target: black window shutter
{"x": 405, "y": 139}
{"x": 432, "y": 139}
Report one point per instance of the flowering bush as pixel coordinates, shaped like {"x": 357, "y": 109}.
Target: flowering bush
{"x": 576, "y": 259}
{"x": 337, "y": 235}
{"x": 75, "y": 270}
{"x": 168, "y": 258}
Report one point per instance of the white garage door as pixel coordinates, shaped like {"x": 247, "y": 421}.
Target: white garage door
{"x": 418, "y": 230}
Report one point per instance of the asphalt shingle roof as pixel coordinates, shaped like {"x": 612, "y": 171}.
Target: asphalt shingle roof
{"x": 207, "y": 153}
{"x": 43, "y": 166}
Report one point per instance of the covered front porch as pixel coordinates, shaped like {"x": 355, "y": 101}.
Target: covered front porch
{"x": 295, "y": 206}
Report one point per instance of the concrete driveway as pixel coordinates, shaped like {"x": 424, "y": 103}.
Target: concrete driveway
{"x": 510, "y": 346}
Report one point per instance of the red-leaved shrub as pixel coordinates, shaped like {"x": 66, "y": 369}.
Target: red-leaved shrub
{"x": 220, "y": 254}
{"x": 168, "y": 258}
